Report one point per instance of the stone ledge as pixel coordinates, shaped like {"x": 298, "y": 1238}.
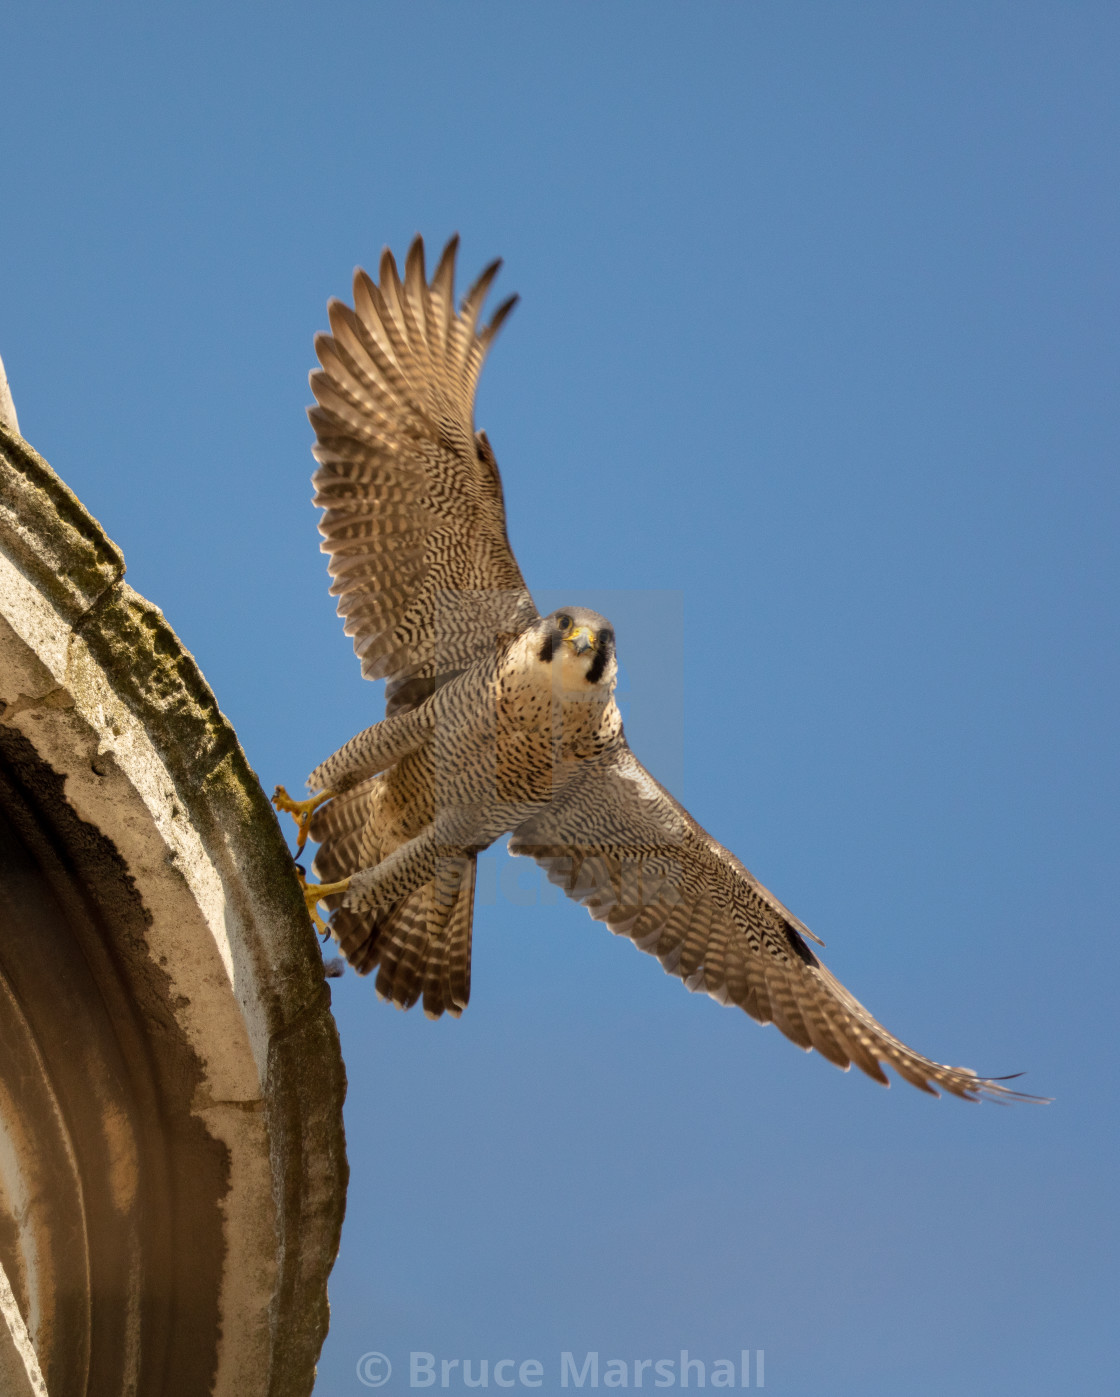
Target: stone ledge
{"x": 189, "y": 1108}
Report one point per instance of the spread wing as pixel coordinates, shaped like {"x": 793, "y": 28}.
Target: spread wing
{"x": 414, "y": 521}
{"x": 621, "y": 845}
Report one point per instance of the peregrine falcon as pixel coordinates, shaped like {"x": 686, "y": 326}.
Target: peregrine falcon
{"x": 501, "y": 721}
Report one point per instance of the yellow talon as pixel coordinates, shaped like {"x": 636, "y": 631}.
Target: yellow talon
{"x": 300, "y": 810}
{"x": 314, "y": 893}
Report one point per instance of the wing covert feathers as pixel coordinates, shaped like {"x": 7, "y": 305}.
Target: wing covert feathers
{"x": 413, "y": 511}
{"x": 622, "y": 846}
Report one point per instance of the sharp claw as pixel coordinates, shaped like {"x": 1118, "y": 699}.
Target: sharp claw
{"x": 314, "y": 893}
{"x": 300, "y": 810}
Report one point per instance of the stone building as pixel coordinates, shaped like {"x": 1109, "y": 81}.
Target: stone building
{"x": 172, "y": 1163}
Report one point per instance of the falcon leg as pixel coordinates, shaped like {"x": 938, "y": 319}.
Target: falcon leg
{"x": 375, "y": 749}
{"x": 300, "y": 810}
{"x": 314, "y": 893}
{"x": 407, "y": 868}
{"x": 450, "y": 875}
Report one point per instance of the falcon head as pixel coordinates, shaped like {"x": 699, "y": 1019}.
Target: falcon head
{"x": 581, "y": 643}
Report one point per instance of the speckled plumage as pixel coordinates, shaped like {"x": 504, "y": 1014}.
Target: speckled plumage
{"x": 501, "y": 721}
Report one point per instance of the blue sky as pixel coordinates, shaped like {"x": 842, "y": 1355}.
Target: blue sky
{"x": 814, "y": 379}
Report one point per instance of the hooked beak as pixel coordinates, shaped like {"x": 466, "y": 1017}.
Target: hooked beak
{"x": 580, "y": 639}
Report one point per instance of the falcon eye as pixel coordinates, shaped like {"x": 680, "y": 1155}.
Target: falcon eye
{"x": 564, "y": 622}
{"x": 606, "y": 636}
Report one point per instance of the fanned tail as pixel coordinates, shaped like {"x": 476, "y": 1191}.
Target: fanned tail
{"x": 418, "y": 954}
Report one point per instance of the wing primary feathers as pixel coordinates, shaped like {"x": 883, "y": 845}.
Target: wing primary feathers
{"x": 442, "y": 294}
{"x": 498, "y": 319}
{"x": 416, "y": 324}
{"x": 414, "y": 512}
{"x": 414, "y": 274}
{"x": 472, "y": 301}
{"x": 390, "y": 289}
{"x": 722, "y": 932}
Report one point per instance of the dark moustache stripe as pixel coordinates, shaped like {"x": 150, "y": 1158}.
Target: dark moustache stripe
{"x": 604, "y": 644}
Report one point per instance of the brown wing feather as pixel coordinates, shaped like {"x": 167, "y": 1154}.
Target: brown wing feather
{"x": 622, "y": 846}
{"x": 414, "y": 521}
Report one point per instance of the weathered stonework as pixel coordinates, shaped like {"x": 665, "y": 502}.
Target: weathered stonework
{"x": 172, "y": 1164}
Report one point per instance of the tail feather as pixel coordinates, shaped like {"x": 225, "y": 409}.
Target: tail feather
{"x": 458, "y": 945}
{"x": 404, "y": 940}
{"x": 346, "y": 833}
{"x": 447, "y": 970}
{"x": 421, "y": 948}
{"x": 415, "y": 957}
{"x": 357, "y": 939}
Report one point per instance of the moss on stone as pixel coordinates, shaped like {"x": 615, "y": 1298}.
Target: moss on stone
{"x": 49, "y": 534}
